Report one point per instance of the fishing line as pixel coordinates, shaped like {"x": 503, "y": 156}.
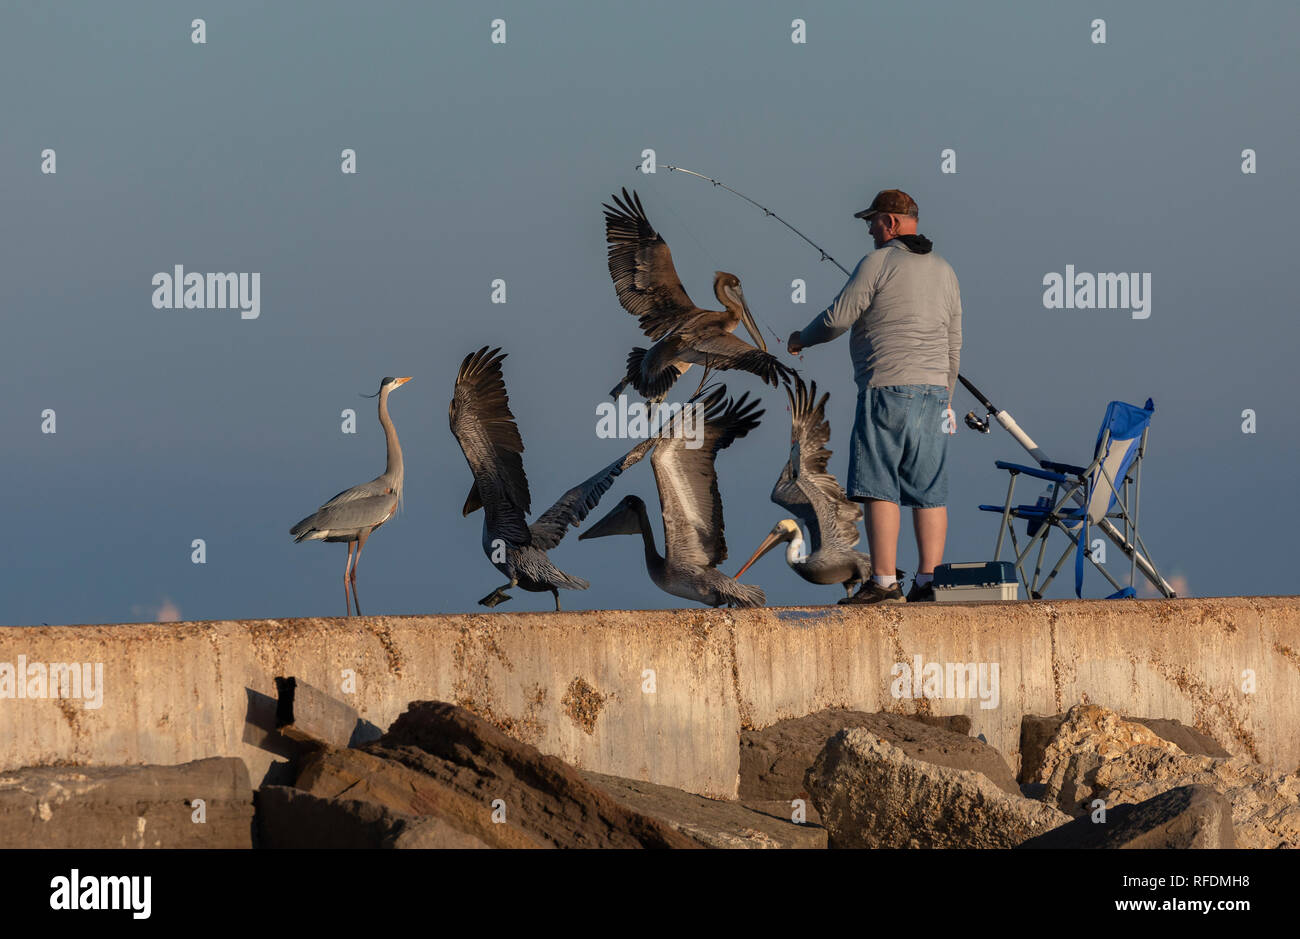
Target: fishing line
{"x": 686, "y": 228}
{"x": 971, "y": 421}
{"x": 766, "y": 211}
{"x": 714, "y": 261}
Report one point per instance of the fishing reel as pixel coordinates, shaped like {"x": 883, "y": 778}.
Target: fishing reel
{"x": 974, "y": 422}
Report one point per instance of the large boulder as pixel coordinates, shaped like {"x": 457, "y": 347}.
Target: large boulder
{"x": 474, "y": 775}
{"x": 872, "y": 794}
{"x": 291, "y": 818}
{"x": 1185, "y": 817}
{"x": 128, "y": 806}
{"x": 1088, "y": 737}
{"x": 398, "y": 790}
{"x": 773, "y": 760}
{"x": 711, "y": 822}
{"x": 1265, "y": 804}
{"x": 1036, "y": 732}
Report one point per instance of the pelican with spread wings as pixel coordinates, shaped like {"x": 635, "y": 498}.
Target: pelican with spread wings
{"x": 694, "y": 545}
{"x": 648, "y": 287}
{"x": 806, "y": 489}
{"x": 485, "y": 429}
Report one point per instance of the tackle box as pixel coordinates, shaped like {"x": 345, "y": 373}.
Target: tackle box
{"x": 976, "y": 580}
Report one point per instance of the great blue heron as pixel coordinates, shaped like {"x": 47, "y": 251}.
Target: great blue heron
{"x": 485, "y": 428}
{"x": 648, "y": 287}
{"x": 354, "y": 513}
{"x": 813, "y": 495}
{"x": 692, "y": 510}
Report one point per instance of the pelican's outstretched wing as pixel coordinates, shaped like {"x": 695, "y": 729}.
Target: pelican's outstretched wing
{"x": 572, "y": 507}
{"x": 642, "y": 268}
{"x": 727, "y": 351}
{"x": 688, "y": 482}
{"x": 805, "y": 487}
{"x": 485, "y": 429}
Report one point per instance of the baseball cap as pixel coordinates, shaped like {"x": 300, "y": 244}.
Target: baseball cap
{"x": 891, "y": 202}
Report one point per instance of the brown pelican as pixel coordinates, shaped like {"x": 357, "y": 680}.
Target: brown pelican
{"x": 354, "y": 513}
{"x": 813, "y": 495}
{"x": 692, "y": 509}
{"x": 648, "y": 287}
{"x": 485, "y": 429}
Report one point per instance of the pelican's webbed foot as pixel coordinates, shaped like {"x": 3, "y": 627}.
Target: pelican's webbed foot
{"x": 496, "y": 596}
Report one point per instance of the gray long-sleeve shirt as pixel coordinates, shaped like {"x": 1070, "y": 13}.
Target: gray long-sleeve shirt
{"x": 904, "y": 309}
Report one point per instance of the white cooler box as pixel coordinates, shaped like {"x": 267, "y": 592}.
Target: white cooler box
{"x": 976, "y": 580}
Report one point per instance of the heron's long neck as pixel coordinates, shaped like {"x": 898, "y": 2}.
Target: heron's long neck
{"x": 394, "y": 470}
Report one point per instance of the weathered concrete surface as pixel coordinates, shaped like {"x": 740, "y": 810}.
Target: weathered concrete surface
{"x": 576, "y": 684}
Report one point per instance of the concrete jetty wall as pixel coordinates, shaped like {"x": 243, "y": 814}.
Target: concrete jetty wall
{"x": 660, "y": 695}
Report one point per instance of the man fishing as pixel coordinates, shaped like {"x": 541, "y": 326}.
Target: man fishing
{"x": 903, "y": 307}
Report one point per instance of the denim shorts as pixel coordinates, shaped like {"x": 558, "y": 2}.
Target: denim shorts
{"x": 900, "y": 450}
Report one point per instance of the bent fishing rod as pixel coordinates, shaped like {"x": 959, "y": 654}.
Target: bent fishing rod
{"x": 973, "y": 421}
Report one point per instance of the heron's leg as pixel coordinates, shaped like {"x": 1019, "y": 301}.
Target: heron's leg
{"x": 347, "y": 570}
{"x": 361, "y": 543}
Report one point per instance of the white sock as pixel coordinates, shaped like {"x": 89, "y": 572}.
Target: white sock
{"x": 923, "y": 579}
{"x": 885, "y": 580}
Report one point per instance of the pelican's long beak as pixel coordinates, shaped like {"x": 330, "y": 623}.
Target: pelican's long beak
{"x": 750, "y": 326}
{"x": 621, "y": 521}
{"x": 771, "y": 541}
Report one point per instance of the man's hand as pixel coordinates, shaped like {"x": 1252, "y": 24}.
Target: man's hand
{"x": 794, "y": 343}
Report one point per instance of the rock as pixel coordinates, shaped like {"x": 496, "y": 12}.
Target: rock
{"x": 128, "y": 806}
{"x": 312, "y": 717}
{"x": 773, "y": 760}
{"x": 406, "y": 793}
{"x": 1187, "y": 739}
{"x": 1265, "y": 804}
{"x": 871, "y": 794}
{"x": 784, "y": 810}
{"x": 291, "y": 818}
{"x": 1037, "y": 732}
{"x": 711, "y": 822}
{"x": 1088, "y": 737}
{"x": 1185, "y": 817}
{"x": 541, "y": 795}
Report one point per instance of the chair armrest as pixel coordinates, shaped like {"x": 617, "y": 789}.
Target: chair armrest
{"x": 1064, "y": 468}
{"x": 1031, "y": 471}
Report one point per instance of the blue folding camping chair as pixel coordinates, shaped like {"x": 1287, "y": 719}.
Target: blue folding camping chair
{"x": 1082, "y": 500}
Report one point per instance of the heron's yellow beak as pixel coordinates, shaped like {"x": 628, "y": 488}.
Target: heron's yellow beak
{"x": 402, "y": 381}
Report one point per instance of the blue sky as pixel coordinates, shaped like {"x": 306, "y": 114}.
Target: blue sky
{"x": 479, "y": 161}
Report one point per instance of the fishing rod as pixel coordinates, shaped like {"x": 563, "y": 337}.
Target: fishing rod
{"x": 766, "y": 211}
{"x": 973, "y": 421}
